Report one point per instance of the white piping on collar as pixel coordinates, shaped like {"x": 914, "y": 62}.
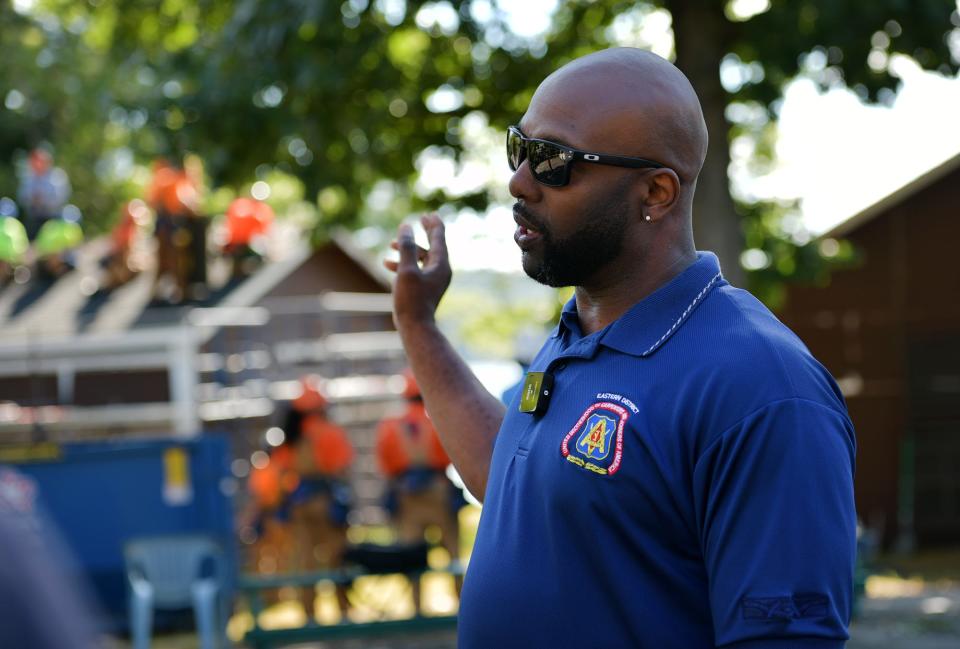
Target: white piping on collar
{"x": 685, "y": 313}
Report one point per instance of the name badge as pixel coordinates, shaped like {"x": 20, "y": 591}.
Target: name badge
{"x": 537, "y": 389}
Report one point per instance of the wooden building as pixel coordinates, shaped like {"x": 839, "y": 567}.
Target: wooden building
{"x": 75, "y": 366}
{"x": 889, "y": 330}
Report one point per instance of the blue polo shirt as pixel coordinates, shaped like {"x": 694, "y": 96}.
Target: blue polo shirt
{"x": 690, "y": 485}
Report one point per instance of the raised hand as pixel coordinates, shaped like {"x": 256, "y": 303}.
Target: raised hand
{"x": 422, "y": 275}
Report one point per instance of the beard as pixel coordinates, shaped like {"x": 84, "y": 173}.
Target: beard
{"x": 573, "y": 259}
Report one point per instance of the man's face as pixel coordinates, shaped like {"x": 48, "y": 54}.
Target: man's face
{"x": 569, "y": 234}
{"x": 571, "y": 259}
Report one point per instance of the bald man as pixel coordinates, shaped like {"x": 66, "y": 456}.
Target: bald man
{"x": 678, "y": 469}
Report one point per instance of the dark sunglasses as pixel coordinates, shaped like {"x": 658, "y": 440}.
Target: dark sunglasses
{"x": 550, "y": 162}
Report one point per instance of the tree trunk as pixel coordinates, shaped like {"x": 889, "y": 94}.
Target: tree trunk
{"x": 700, "y": 33}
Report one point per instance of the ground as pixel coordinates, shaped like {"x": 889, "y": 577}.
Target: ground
{"x": 911, "y": 603}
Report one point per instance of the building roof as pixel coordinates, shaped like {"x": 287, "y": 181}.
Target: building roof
{"x": 65, "y": 308}
{"x": 54, "y": 333}
{"x": 897, "y": 196}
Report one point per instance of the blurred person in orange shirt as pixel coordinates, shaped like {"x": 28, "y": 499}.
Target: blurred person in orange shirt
{"x": 247, "y": 222}
{"x": 268, "y": 516}
{"x": 119, "y": 264}
{"x": 174, "y": 194}
{"x": 419, "y": 494}
{"x": 321, "y": 501}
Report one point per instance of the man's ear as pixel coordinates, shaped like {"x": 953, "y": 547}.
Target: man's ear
{"x": 663, "y": 191}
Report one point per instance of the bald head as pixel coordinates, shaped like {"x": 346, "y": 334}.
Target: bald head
{"x": 635, "y": 102}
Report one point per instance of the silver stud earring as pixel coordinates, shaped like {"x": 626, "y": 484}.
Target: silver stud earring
{"x": 646, "y": 218}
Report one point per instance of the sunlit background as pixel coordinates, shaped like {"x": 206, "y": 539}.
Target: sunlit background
{"x": 304, "y": 132}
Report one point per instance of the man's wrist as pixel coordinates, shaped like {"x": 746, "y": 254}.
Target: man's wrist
{"x": 411, "y": 324}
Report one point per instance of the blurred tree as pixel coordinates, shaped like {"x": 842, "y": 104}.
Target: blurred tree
{"x": 835, "y": 43}
{"x": 55, "y": 90}
{"x": 761, "y": 46}
{"x": 346, "y": 95}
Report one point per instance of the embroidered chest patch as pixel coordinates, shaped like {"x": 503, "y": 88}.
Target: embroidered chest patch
{"x": 595, "y": 443}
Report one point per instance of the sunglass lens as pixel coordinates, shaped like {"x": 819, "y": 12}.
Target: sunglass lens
{"x": 514, "y": 149}
{"x": 547, "y": 163}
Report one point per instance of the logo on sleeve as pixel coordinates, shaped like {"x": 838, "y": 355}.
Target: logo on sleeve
{"x": 595, "y": 442}
{"x": 800, "y": 605}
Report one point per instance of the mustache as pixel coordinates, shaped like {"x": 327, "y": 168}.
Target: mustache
{"x": 530, "y": 217}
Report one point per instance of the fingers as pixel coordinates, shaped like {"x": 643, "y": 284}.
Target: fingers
{"x": 421, "y": 251}
{"x": 411, "y": 254}
{"x": 433, "y": 225}
{"x": 407, "y": 248}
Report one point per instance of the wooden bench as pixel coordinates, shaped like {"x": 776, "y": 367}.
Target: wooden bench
{"x": 251, "y": 586}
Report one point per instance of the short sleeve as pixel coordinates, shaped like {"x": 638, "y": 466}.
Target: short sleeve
{"x": 777, "y": 525}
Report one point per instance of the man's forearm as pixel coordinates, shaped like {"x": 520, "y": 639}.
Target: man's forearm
{"x": 466, "y": 415}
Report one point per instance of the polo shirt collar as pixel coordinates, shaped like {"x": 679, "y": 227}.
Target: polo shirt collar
{"x": 650, "y": 323}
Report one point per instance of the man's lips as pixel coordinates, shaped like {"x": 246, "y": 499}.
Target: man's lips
{"x": 526, "y": 233}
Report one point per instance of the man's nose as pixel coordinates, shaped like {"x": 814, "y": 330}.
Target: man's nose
{"x": 523, "y": 186}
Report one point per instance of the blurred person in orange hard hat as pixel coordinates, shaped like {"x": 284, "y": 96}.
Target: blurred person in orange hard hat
{"x": 120, "y": 265}
{"x": 247, "y": 223}
{"x": 266, "y": 522}
{"x": 419, "y": 494}
{"x": 320, "y": 503}
{"x": 174, "y": 194}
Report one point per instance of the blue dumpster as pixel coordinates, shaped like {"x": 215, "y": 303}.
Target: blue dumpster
{"x": 101, "y": 494}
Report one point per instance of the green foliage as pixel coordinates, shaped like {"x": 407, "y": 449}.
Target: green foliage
{"x": 833, "y": 41}
{"x": 778, "y": 251}
{"x": 340, "y": 95}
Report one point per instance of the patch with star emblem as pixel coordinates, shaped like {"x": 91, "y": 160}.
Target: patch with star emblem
{"x": 595, "y": 443}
